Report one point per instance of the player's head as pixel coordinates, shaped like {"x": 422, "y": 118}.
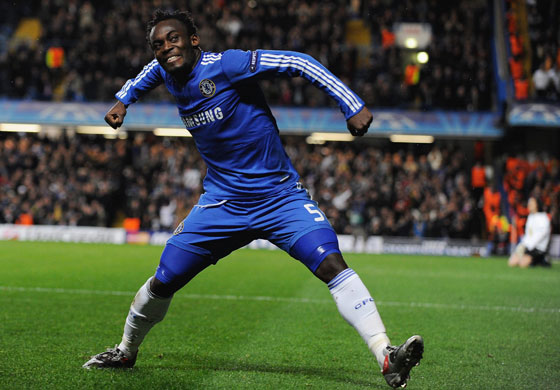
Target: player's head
{"x": 174, "y": 40}
{"x": 534, "y": 205}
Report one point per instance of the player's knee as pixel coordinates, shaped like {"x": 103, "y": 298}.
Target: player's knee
{"x": 331, "y": 266}
{"x": 176, "y": 268}
{"x": 525, "y": 261}
{"x": 513, "y": 260}
{"x": 161, "y": 289}
{"x": 165, "y": 282}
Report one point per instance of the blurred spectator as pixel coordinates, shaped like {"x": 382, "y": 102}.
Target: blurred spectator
{"x": 544, "y": 37}
{"x": 533, "y": 248}
{"x": 478, "y": 180}
{"x": 546, "y": 81}
{"x": 492, "y": 208}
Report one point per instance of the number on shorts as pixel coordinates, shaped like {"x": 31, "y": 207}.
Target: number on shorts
{"x": 312, "y": 210}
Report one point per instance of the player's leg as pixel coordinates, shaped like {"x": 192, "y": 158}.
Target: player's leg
{"x": 211, "y": 231}
{"x": 294, "y": 223}
{"x": 177, "y": 267}
{"x": 318, "y": 250}
{"x": 525, "y": 261}
{"x": 527, "y": 258}
{"x": 513, "y": 260}
{"x": 302, "y": 230}
{"x": 197, "y": 243}
{"x": 517, "y": 255}
{"x": 539, "y": 258}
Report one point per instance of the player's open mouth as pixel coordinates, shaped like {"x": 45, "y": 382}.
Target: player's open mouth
{"x": 173, "y": 59}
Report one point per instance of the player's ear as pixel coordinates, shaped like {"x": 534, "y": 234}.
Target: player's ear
{"x": 195, "y": 40}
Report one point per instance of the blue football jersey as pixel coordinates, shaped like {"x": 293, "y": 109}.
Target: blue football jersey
{"x": 224, "y": 109}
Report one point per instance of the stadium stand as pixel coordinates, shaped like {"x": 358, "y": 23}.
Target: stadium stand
{"x": 456, "y": 77}
{"x": 363, "y": 189}
{"x": 83, "y": 51}
{"x": 543, "y": 35}
{"x": 534, "y": 50}
{"x": 60, "y": 51}
{"x": 519, "y": 48}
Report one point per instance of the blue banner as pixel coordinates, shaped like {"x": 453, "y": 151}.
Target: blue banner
{"x": 534, "y": 114}
{"x": 145, "y": 116}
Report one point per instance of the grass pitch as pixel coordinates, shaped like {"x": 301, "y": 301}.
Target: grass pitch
{"x": 260, "y": 320}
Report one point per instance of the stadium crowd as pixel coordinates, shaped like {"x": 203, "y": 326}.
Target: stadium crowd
{"x": 363, "y": 189}
{"x": 456, "y": 77}
{"x": 534, "y": 48}
{"x": 544, "y": 38}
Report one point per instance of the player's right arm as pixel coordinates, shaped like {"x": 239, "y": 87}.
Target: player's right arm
{"x": 149, "y": 78}
{"x": 115, "y": 115}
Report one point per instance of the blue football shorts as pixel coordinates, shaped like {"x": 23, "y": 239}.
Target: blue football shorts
{"x": 216, "y": 227}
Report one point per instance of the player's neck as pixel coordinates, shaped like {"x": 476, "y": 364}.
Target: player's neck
{"x": 182, "y": 76}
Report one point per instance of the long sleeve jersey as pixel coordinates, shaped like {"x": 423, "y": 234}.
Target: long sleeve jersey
{"x": 224, "y": 109}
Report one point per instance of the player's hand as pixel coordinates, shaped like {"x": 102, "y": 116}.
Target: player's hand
{"x": 359, "y": 123}
{"x": 115, "y": 116}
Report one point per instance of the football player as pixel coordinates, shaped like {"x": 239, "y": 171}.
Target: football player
{"x": 251, "y": 189}
{"x": 533, "y": 248}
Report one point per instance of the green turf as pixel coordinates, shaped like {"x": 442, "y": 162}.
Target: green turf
{"x": 246, "y": 323}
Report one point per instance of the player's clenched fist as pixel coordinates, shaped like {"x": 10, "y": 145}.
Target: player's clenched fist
{"x": 359, "y": 123}
{"x": 115, "y": 116}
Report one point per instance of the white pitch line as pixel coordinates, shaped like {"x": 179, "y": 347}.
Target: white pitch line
{"x": 425, "y": 305}
{"x": 66, "y": 291}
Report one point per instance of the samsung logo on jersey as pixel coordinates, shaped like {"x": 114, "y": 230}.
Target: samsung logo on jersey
{"x": 203, "y": 117}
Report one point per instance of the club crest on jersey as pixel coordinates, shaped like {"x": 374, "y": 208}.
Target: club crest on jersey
{"x": 179, "y": 228}
{"x": 207, "y": 88}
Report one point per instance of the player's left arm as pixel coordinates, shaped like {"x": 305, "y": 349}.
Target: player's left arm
{"x": 239, "y": 65}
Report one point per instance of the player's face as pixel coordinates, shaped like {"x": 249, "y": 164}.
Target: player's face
{"x": 532, "y": 205}
{"x": 174, "y": 49}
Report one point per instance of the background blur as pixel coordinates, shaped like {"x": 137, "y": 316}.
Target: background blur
{"x": 478, "y": 81}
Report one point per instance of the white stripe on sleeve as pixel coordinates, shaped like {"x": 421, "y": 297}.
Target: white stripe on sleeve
{"x": 145, "y": 70}
{"x": 310, "y": 69}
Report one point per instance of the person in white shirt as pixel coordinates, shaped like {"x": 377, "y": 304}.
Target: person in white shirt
{"x": 546, "y": 82}
{"x": 533, "y": 247}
